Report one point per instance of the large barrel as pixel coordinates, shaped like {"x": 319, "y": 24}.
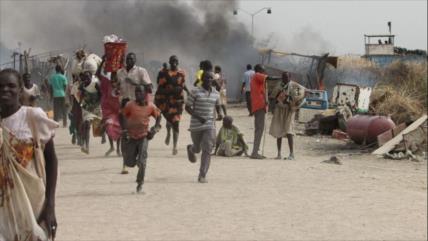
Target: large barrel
{"x": 115, "y": 55}
{"x": 363, "y": 129}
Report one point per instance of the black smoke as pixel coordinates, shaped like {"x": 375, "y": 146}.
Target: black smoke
{"x": 193, "y": 30}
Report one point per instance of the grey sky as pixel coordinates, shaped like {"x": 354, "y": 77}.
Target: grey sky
{"x": 340, "y": 24}
{"x": 303, "y": 26}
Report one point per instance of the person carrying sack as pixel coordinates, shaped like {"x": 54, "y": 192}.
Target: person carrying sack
{"x": 28, "y": 166}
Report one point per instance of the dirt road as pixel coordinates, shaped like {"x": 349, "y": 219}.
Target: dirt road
{"x": 365, "y": 198}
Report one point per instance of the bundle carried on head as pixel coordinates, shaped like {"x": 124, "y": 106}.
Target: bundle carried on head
{"x": 115, "y": 50}
{"x": 77, "y": 65}
{"x": 91, "y": 63}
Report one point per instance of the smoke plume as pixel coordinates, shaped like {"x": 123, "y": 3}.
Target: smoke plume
{"x": 193, "y": 30}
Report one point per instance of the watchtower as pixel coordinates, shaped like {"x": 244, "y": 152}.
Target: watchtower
{"x": 381, "y": 44}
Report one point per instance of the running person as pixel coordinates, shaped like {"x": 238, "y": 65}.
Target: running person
{"x": 136, "y": 122}
{"x": 110, "y": 108}
{"x": 169, "y": 98}
{"x": 201, "y": 105}
{"x": 90, "y": 94}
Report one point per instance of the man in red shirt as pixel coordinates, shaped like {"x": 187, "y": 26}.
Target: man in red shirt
{"x": 137, "y": 115}
{"x": 259, "y": 106}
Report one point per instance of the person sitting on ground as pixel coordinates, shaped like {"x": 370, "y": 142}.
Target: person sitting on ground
{"x": 136, "y": 138}
{"x": 230, "y": 141}
{"x": 31, "y": 91}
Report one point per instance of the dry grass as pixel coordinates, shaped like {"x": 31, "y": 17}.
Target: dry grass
{"x": 408, "y": 78}
{"x": 350, "y": 61}
{"x": 402, "y": 92}
{"x": 401, "y": 107}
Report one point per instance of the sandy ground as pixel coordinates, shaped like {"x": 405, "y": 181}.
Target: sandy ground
{"x": 366, "y": 198}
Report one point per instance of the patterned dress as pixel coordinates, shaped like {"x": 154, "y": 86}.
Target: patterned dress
{"x": 91, "y": 100}
{"x": 22, "y": 176}
{"x": 169, "y": 97}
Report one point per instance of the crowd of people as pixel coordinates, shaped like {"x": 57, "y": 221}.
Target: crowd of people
{"x": 118, "y": 106}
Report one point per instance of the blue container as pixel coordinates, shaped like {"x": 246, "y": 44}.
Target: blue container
{"x": 316, "y": 99}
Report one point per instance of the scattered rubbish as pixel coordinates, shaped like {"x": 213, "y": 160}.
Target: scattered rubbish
{"x": 340, "y": 135}
{"x": 333, "y": 160}
{"x": 414, "y": 137}
{"x": 416, "y": 140}
{"x": 389, "y": 134}
{"x": 312, "y": 127}
{"x": 407, "y": 155}
{"x": 343, "y": 114}
{"x": 327, "y": 121}
{"x": 306, "y": 115}
{"x": 328, "y": 124}
{"x": 364, "y": 129}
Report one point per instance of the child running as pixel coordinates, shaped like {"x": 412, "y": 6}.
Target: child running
{"x": 136, "y": 134}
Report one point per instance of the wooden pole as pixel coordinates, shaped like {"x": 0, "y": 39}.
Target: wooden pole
{"x": 21, "y": 66}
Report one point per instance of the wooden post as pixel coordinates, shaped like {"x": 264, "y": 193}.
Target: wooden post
{"x": 14, "y": 59}
{"x": 21, "y": 66}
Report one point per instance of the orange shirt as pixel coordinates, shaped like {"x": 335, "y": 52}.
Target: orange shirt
{"x": 138, "y": 118}
{"x": 258, "y": 92}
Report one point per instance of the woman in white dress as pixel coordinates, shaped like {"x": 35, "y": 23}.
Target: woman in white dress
{"x": 28, "y": 166}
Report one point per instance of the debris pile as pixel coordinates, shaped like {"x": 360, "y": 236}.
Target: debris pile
{"x": 368, "y": 116}
{"x": 409, "y": 143}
